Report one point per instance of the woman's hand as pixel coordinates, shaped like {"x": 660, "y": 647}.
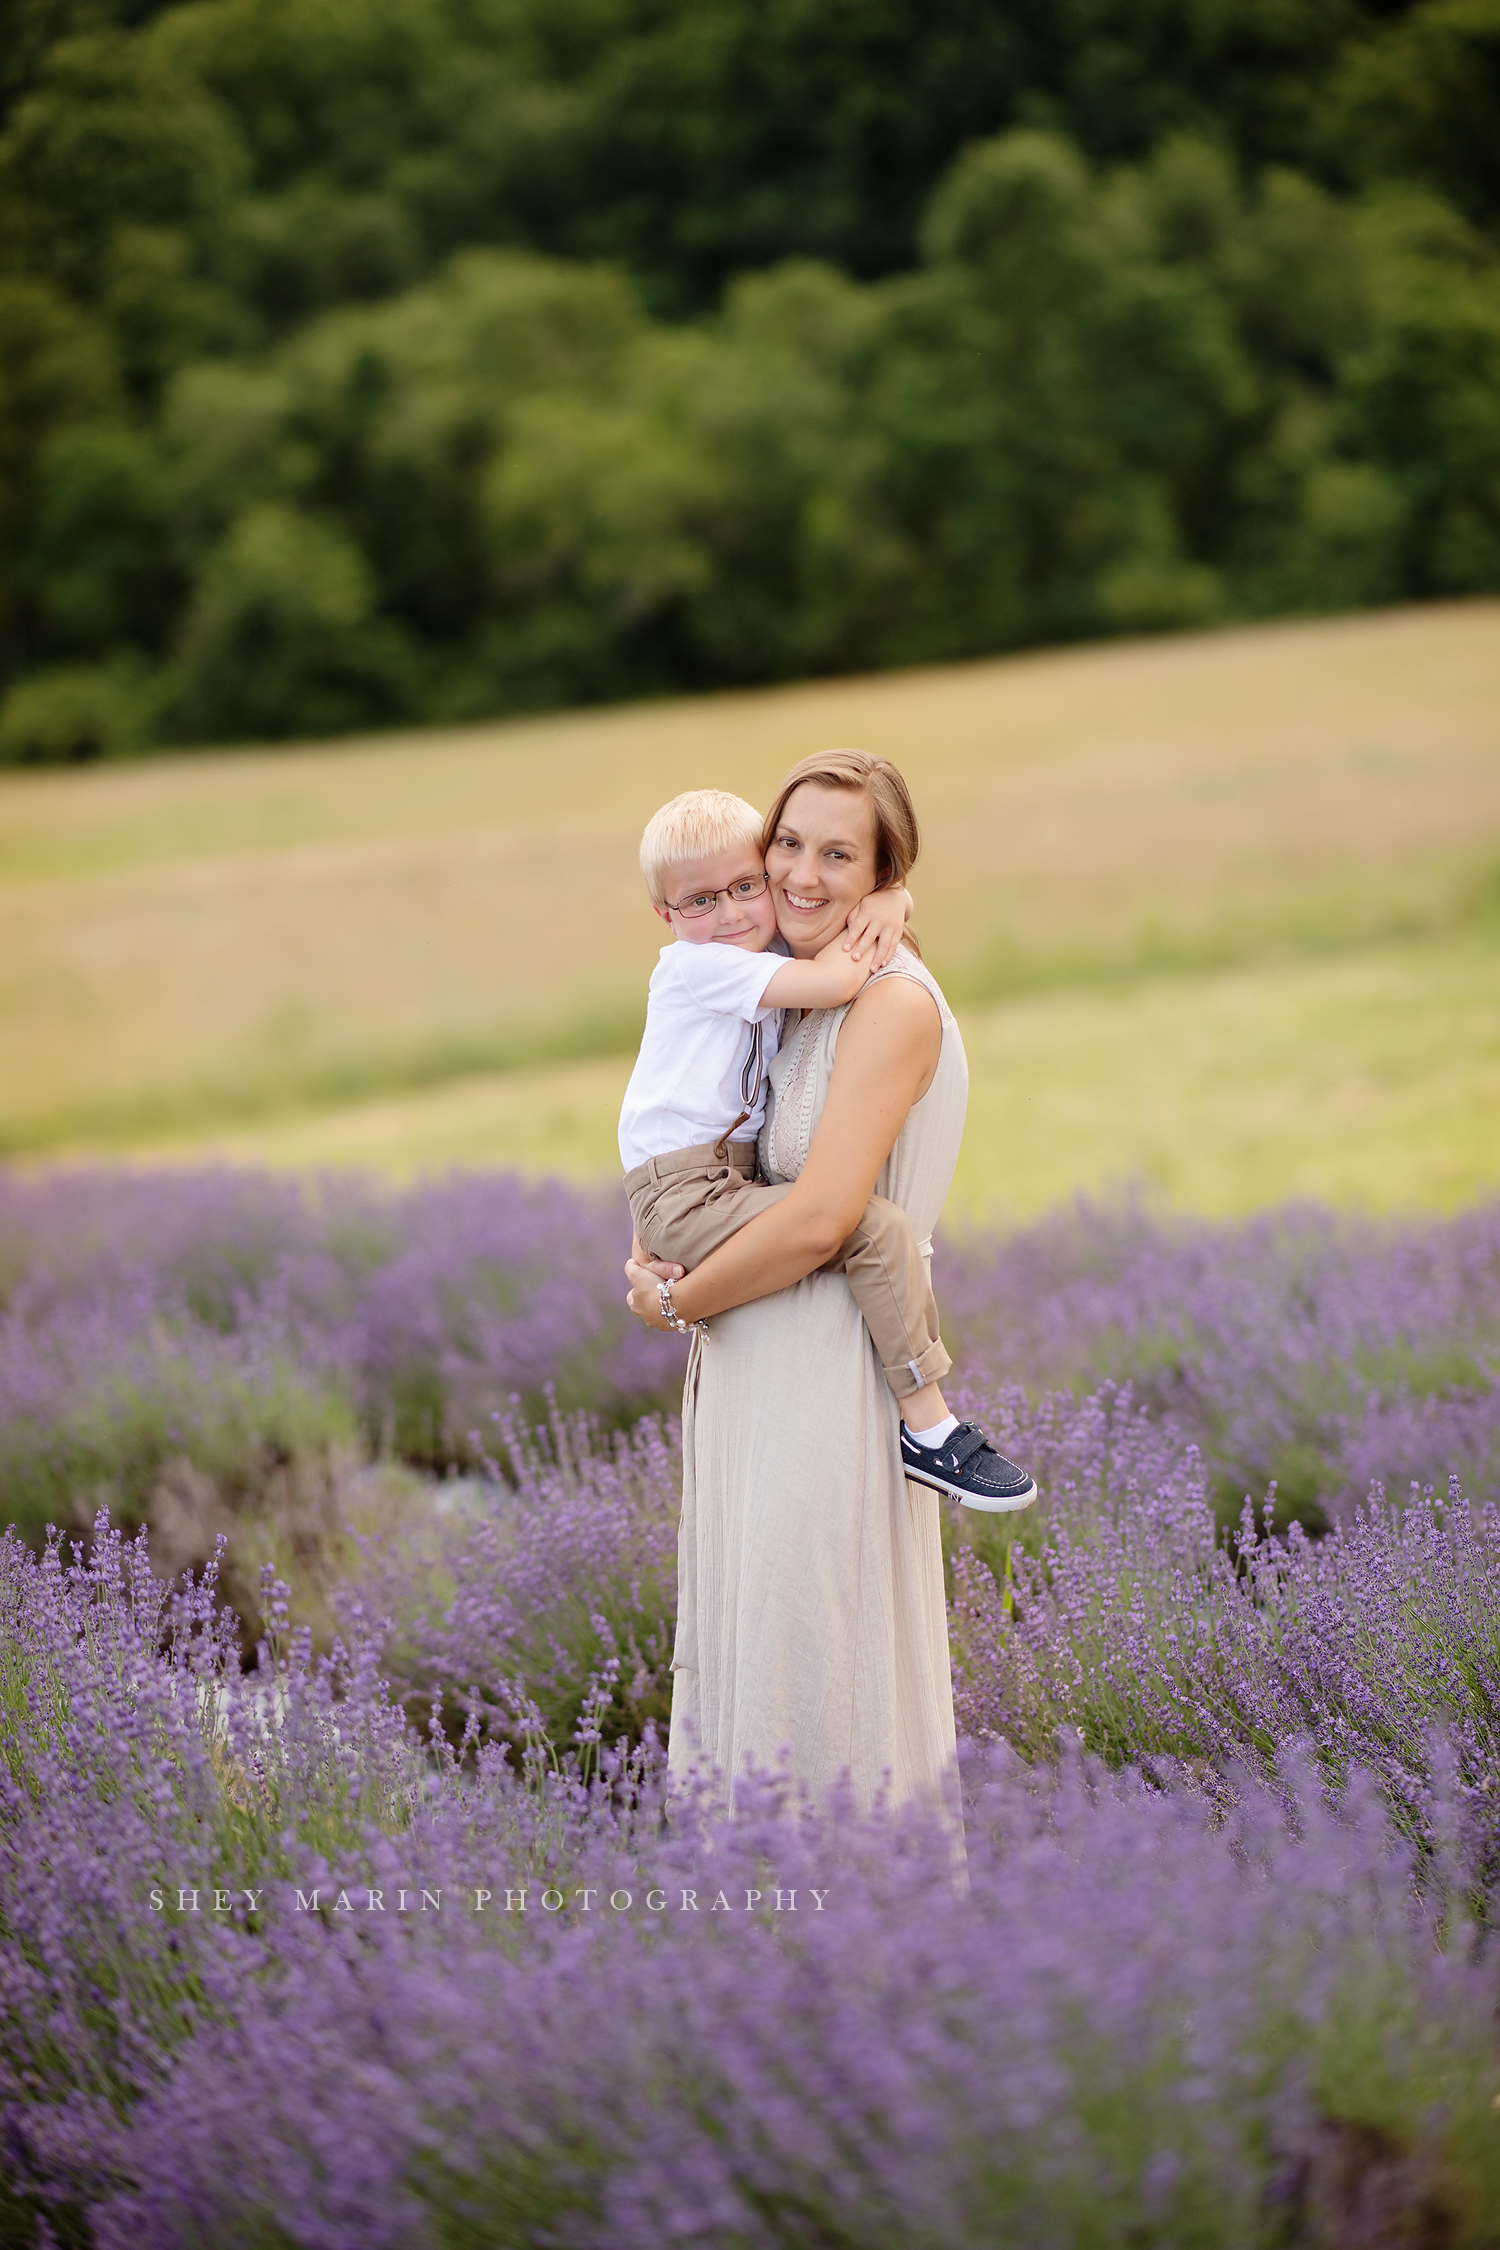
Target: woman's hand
{"x": 888, "y": 1050}
{"x": 643, "y": 1299}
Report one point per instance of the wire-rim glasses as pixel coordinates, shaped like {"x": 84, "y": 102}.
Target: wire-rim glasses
{"x": 698, "y": 903}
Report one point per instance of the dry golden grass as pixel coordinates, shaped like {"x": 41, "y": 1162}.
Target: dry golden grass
{"x": 195, "y": 941}
{"x": 554, "y": 1118}
{"x": 1370, "y": 1078}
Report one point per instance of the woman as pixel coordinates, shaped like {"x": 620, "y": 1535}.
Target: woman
{"x": 811, "y": 1606}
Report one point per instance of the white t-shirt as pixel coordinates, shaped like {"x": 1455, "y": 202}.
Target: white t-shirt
{"x": 704, "y": 1050}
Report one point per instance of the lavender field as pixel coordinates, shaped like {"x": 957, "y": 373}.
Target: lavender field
{"x": 342, "y": 1902}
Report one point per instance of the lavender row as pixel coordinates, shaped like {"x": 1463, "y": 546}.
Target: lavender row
{"x": 1315, "y": 1350}
{"x": 1116, "y": 1615}
{"x": 235, "y": 1322}
{"x": 1128, "y": 1621}
{"x": 273, "y": 1969}
{"x": 216, "y": 1326}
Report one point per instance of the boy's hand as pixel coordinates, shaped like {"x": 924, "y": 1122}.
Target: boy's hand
{"x": 876, "y": 925}
{"x": 663, "y": 1268}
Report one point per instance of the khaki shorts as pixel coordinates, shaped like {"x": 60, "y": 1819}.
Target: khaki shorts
{"x": 686, "y": 1204}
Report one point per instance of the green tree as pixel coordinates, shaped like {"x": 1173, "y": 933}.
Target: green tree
{"x": 729, "y": 134}
{"x": 406, "y": 403}
{"x": 98, "y": 566}
{"x": 722, "y": 517}
{"x": 72, "y": 714}
{"x": 1421, "y": 98}
{"x": 1423, "y": 396}
{"x": 112, "y": 137}
{"x": 34, "y": 27}
{"x": 1054, "y": 398}
{"x": 282, "y": 636}
{"x": 57, "y": 369}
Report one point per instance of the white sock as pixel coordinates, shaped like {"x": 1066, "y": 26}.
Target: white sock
{"x": 939, "y": 1432}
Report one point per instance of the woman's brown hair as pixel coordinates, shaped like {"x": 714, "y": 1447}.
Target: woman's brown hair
{"x": 897, "y": 837}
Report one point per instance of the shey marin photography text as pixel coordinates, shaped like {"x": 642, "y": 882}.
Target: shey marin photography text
{"x": 478, "y": 1898}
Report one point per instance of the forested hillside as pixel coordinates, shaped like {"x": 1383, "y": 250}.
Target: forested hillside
{"x": 366, "y": 361}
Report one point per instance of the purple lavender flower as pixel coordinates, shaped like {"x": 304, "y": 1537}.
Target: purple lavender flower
{"x": 1317, "y": 1351}
{"x": 409, "y": 1943}
{"x": 233, "y": 1321}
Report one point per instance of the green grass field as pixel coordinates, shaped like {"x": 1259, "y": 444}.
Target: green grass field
{"x": 1221, "y": 914}
{"x": 1371, "y": 1077}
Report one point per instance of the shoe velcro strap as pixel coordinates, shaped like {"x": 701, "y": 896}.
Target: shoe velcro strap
{"x": 966, "y": 1441}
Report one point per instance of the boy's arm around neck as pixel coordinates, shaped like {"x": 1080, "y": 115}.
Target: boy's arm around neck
{"x": 830, "y": 979}
{"x": 879, "y": 922}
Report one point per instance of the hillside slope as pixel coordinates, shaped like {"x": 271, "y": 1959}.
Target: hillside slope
{"x": 190, "y": 943}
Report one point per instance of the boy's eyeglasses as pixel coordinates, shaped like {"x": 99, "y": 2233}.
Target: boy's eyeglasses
{"x": 699, "y": 903}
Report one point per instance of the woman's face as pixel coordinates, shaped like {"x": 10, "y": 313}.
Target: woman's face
{"x": 821, "y": 861}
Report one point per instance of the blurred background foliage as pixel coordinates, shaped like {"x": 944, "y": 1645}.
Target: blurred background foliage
{"x": 365, "y": 364}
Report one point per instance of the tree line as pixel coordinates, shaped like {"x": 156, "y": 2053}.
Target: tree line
{"x": 396, "y": 360}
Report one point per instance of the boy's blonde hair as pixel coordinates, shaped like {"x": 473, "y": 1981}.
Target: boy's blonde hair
{"x": 698, "y": 822}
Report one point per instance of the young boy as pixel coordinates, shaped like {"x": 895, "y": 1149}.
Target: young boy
{"x": 697, "y": 1097}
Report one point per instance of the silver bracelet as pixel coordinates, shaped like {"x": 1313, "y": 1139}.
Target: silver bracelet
{"x": 672, "y": 1316}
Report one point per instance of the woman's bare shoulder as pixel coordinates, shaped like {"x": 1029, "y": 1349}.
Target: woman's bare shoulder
{"x": 893, "y": 1012}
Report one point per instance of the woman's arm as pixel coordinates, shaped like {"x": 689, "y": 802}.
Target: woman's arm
{"x": 888, "y": 1049}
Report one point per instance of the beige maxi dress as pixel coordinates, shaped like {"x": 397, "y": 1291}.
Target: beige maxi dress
{"x": 811, "y": 1614}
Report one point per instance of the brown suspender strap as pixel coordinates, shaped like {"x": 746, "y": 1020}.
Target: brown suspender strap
{"x": 721, "y": 1145}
